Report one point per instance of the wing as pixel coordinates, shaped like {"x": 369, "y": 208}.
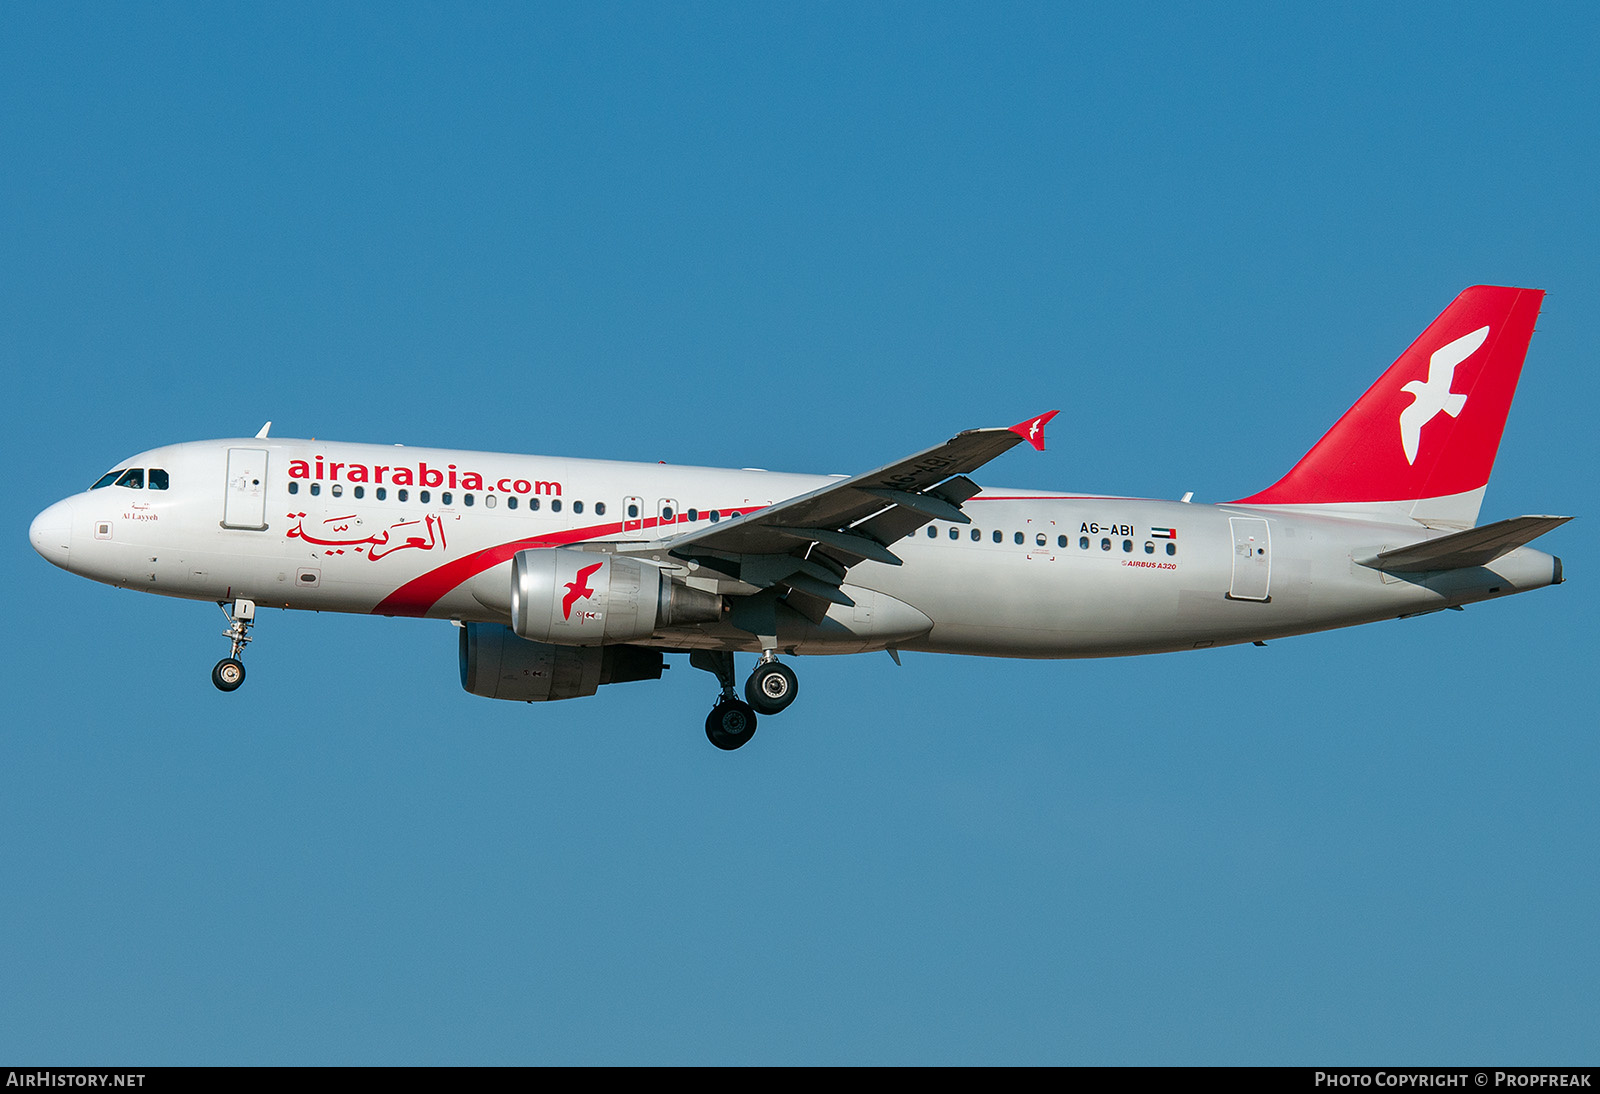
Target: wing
{"x": 807, "y": 543}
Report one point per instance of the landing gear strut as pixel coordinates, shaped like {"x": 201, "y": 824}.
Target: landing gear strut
{"x": 228, "y": 673}
{"x": 731, "y": 722}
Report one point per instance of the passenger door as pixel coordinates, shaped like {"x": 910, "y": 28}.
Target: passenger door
{"x": 245, "y": 500}
{"x": 1252, "y": 559}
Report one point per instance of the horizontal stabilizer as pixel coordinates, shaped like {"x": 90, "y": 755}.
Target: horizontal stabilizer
{"x": 1474, "y": 547}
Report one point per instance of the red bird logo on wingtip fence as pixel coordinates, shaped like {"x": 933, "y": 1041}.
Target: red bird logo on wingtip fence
{"x": 1032, "y": 430}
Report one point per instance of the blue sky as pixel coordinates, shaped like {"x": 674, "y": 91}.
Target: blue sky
{"x": 811, "y": 238}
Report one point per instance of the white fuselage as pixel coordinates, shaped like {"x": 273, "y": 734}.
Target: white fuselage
{"x": 395, "y": 530}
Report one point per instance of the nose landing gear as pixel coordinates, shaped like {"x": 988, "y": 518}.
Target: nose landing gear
{"x": 228, "y": 673}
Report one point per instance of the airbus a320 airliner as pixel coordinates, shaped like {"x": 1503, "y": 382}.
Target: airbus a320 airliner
{"x": 566, "y": 574}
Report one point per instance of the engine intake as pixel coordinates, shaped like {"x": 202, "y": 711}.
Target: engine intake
{"x": 578, "y": 598}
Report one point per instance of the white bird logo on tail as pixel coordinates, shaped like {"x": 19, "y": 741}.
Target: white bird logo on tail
{"x": 1435, "y": 397}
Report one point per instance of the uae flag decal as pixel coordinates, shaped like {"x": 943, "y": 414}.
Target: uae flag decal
{"x": 1163, "y": 533}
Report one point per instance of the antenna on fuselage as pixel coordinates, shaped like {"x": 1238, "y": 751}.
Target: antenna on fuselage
{"x": 263, "y": 432}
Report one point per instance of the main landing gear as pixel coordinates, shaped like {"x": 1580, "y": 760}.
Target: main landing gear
{"x": 772, "y": 686}
{"x": 770, "y": 689}
{"x": 730, "y": 724}
{"x": 228, "y": 673}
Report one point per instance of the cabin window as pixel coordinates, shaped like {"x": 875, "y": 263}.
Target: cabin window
{"x": 1105, "y": 545}
{"x": 1040, "y": 540}
{"x": 423, "y": 496}
{"x": 489, "y": 501}
{"x": 577, "y": 507}
{"x": 132, "y": 478}
{"x": 1149, "y": 548}
{"x": 466, "y": 499}
{"x": 511, "y": 502}
{"x": 955, "y": 533}
{"x": 1061, "y": 541}
{"x": 555, "y": 505}
{"x": 1017, "y": 539}
{"x": 599, "y": 508}
{"x": 1127, "y": 546}
{"x": 976, "y": 535}
{"x": 359, "y": 491}
{"x": 694, "y": 514}
{"x": 338, "y": 490}
{"x": 381, "y": 493}
{"x": 444, "y": 498}
{"x": 402, "y": 495}
{"x": 1083, "y": 543}
{"x": 294, "y": 487}
{"x": 316, "y": 488}
{"x": 932, "y": 531}
{"x": 158, "y": 479}
{"x": 666, "y": 513}
{"x": 633, "y": 511}
{"x": 1172, "y": 548}
{"x": 999, "y": 537}
{"x": 533, "y": 505}
{"x": 715, "y": 516}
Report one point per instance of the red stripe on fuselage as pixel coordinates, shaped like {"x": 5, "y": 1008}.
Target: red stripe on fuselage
{"x": 420, "y": 594}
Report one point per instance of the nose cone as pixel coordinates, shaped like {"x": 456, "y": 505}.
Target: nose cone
{"x": 51, "y": 533}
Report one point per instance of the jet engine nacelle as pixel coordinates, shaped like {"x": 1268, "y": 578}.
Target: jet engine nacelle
{"x": 498, "y": 665}
{"x": 578, "y": 598}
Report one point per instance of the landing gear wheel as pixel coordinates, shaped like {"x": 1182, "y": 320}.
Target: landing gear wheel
{"x": 228, "y": 674}
{"x": 730, "y": 724}
{"x": 772, "y": 687}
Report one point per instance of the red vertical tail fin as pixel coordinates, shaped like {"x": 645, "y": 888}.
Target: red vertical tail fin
{"x": 1421, "y": 442}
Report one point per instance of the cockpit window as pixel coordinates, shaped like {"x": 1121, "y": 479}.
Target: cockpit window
{"x": 107, "y": 479}
{"x": 158, "y": 478}
{"x": 132, "y": 478}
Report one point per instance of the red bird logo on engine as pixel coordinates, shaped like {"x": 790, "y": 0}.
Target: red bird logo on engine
{"x": 578, "y": 590}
